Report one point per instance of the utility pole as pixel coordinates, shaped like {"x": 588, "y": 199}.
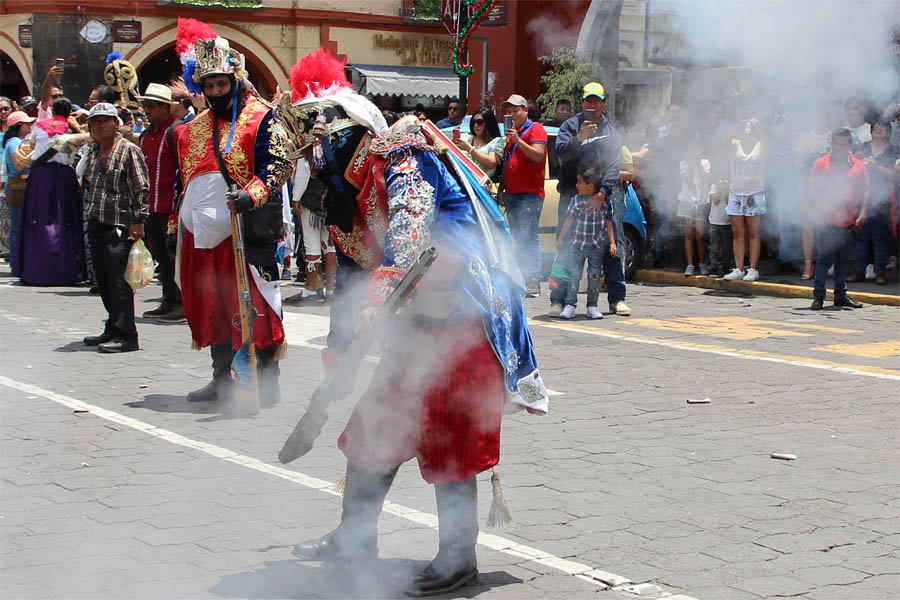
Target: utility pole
{"x": 463, "y": 59}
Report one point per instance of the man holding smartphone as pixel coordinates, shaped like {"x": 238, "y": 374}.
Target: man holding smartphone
{"x": 589, "y": 140}
{"x": 523, "y": 185}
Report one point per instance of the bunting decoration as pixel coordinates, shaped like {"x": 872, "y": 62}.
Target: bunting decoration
{"x": 478, "y": 12}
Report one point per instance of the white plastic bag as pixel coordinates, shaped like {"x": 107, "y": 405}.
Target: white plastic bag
{"x": 140, "y": 267}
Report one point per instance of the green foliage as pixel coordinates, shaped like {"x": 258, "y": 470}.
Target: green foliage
{"x": 256, "y": 4}
{"x": 428, "y": 10}
{"x": 565, "y": 79}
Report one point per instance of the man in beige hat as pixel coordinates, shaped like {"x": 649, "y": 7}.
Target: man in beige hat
{"x": 157, "y": 143}
{"x": 523, "y": 185}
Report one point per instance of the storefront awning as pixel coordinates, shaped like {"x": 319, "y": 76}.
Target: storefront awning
{"x": 408, "y": 81}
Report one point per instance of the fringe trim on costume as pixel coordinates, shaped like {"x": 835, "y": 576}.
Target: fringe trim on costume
{"x": 195, "y": 345}
{"x": 341, "y": 484}
{"x": 498, "y": 515}
{"x": 281, "y": 351}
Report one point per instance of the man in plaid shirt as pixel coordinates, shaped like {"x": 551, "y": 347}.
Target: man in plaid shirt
{"x": 116, "y": 189}
{"x": 592, "y": 218}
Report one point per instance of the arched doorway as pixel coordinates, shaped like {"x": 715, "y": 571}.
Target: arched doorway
{"x": 164, "y": 66}
{"x": 12, "y": 83}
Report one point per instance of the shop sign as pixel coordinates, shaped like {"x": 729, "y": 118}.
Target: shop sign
{"x": 498, "y": 16}
{"x": 25, "y": 36}
{"x": 416, "y": 51}
{"x": 94, "y": 31}
{"x": 126, "y": 32}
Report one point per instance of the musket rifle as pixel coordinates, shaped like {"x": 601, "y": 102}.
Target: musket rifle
{"x": 246, "y": 397}
{"x": 339, "y": 382}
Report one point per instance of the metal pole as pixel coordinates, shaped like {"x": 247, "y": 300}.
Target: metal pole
{"x": 463, "y": 58}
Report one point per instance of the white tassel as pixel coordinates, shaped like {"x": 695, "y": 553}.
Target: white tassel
{"x": 498, "y": 515}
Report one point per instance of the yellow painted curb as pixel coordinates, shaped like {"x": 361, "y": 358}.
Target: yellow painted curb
{"x": 760, "y": 288}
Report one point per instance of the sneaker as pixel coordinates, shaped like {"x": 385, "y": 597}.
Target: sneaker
{"x": 555, "y": 309}
{"x": 533, "y": 290}
{"x": 735, "y": 274}
{"x": 620, "y": 308}
{"x": 594, "y": 313}
{"x": 689, "y": 271}
{"x": 704, "y": 269}
{"x": 752, "y": 275}
{"x": 891, "y": 264}
{"x": 568, "y": 312}
{"x": 870, "y": 272}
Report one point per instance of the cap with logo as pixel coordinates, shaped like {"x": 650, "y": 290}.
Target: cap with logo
{"x": 103, "y": 109}
{"x": 594, "y": 89}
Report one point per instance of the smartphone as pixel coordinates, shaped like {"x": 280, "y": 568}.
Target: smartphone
{"x": 61, "y": 63}
{"x": 507, "y": 122}
{"x": 456, "y": 134}
{"x": 590, "y": 114}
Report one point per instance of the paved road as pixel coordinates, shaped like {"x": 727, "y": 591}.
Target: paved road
{"x": 112, "y": 486}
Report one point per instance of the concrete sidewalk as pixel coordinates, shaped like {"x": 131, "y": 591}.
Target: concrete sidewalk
{"x": 785, "y": 286}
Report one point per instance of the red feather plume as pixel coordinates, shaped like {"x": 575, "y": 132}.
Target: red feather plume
{"x": 315, "y": 73}
{"x": 189, "y": 32}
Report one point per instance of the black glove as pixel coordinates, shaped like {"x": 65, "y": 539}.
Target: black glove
{"x": 241, "y": 200}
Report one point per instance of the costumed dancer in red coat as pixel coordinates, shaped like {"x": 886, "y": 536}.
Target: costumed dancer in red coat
{"x": 453, "y": 359}
{"x": 253, "y": 150}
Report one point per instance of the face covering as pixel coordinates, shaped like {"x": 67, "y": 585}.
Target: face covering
{"x": 221, "y": 105}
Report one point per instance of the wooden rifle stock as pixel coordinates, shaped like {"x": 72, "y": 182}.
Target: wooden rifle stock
{"x": 339, "y": 382}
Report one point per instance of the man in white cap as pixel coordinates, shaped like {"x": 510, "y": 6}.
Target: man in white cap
{"x": 523, "y": 185}
{"x": 157, "y": 144}
{"x": 116, "y": 185}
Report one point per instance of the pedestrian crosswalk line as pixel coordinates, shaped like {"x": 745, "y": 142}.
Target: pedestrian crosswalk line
{"x": 488, "y": 540}
{"x": 742, "y": 353}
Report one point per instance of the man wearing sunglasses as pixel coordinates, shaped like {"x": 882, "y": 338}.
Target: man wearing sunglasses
{"x": 454, "y": 115}
{"x": 157, "y": 104}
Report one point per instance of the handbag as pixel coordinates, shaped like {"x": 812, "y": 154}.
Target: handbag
{"x": 15, "y": 189}
{"x": 263, "y": 225}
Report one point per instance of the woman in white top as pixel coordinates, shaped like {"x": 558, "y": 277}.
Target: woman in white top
{"x": 746, "y": 197}
{"x": 483, "y": 144}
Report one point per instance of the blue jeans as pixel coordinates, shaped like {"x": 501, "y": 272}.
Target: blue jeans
{"x": 614, "y": 266}
{"x": 595, "y": 259}
{"x": 559, "y": 293}
{"x": 523, "y": 211}
{"x": 876, "y": 229}
{"x": 832, "y": 245}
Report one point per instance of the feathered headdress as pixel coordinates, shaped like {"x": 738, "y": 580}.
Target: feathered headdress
{"x": 121, "y": 76}
{"x": 318, "y": 82}
{"x": 317, "y": 75}
{"x": 193, "y": 41}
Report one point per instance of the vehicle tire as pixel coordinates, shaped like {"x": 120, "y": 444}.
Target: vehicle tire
{"x": 633, "y": 252}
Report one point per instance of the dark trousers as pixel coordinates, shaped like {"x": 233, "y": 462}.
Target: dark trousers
{"x": 720, "y": 247}
{"x": 109, "y": 249}
{"x": 155, "y": 232}
{"x": 833, "y": 245}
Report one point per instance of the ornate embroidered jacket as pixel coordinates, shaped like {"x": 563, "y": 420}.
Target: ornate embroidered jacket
{"x": 258, "y": 158}
{"x": 408, "y": 200}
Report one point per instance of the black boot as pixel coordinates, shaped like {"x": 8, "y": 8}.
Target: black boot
{"x": 221, "y": 386}
{"x": 356, "y": 538}
{"x": 267, "y": 374}
{"x": 455, "y": 564}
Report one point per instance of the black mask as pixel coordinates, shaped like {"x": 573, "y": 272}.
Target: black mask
{"x": 221, "y": 105}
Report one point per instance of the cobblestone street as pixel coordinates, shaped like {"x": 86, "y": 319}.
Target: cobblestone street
{"x": 113, "y": 486}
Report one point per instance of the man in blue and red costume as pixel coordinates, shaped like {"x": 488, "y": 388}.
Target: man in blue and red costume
{"x": 254, "y": 154}
{"x": 455, "y": 357}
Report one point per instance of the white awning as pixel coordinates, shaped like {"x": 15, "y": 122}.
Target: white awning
{"x": 408, "y": 81}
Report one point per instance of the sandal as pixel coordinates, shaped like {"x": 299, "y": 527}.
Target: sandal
{"x": 808, "y": 271}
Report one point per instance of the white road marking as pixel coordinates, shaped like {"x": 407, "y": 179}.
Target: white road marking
{"x": 876, "y": 372}
{"x": 596, "y": 577}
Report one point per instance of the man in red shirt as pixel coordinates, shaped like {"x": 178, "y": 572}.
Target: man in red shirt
{"x": 160, "y": 157}
{"x": 839, "y": 187}
{"x": 523, "y": 185}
